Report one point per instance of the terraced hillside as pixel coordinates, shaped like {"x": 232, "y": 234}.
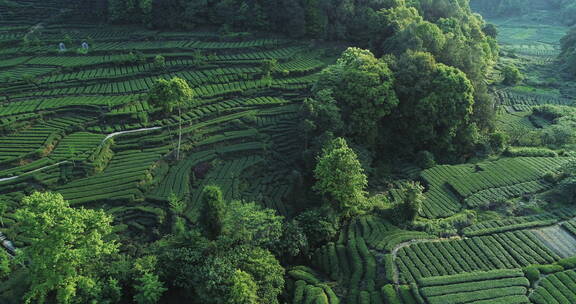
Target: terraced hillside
{"x": 79, "y": 123}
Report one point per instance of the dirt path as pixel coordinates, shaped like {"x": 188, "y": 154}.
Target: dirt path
{"x": 109, "y": 136}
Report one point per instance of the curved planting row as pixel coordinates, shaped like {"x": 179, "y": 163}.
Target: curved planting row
{"x": 497, "y": 251}
{"x": 556, "y": 288}
{"x": 495, "y": 287}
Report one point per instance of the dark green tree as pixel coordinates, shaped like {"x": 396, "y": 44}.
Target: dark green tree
{"x": 437, "y": 104}
{"x": 512, "y": 75}
{"x": 249, "y": 223}
{"x": 213, "y": 211}
{"x": 408, "y": 209}
{"x": 5, "y": 264}
{"x": 160, "y": 62}
{"x": 363, "y": 88}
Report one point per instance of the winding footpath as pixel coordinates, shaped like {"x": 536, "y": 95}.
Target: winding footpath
{"x": 396, "y": 274}
{"x": 4, "y": 242}
{"x": 109, "y": 136}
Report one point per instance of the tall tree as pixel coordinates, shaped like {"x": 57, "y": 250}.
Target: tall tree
{"x": 437, "y": 104}
{"x": 169, "y": 94}
{"x": 363, "y": 87}
{"x": 66, "y": 245}
{"x": 340, "y": 177}
{"x": 213, "y": 211}
{"x": 411, "y": 204}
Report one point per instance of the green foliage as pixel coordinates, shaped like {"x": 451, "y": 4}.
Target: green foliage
{"x": 411, "y": 204}
{"x": 530, "y": 152}
{"x": 532, "y": 273}
{"x": 67, "y": 245}
{"x": 5, "y": 264}
{"x": 243, "y": 289}
{"x": 318, "y": 227}
{"x": 177, "y": 205}
{"x": 212, "y": 277}
{"x": 549, "y": 269}
{"x": 160, "y": 62}
{"x": 512, "y": 75}
{"x": 363, "y": 88}
{"x": 568, "y": 263}
{"x": 249, "y": 223}
{"x": 322, "y": 113}
{"x": 293, "y": 243}
{"x": 436, "y": 106}
{"x": 169, "y": 94}
{"x": 568, "y": 55}
{"x": 111, "y": 291}
{"x": 132, "y": 11}
{"x": 214, "y": 211}
{"x": 490, "y": 30}
{"x": 498, "y": 141}
{"x": 268, "y": 67}
{"x": 340, "y": 177}
{"x": 149, "y": 289}
{"x": 389, "y": 294}
{"x": 425, "y": 160}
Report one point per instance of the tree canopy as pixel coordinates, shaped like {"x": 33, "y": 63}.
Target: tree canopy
{"x": 67, "y": 246}
{"x": 436, "y": 104}
{"x": 340, "y": 177}
{"x": 363, "y": 87}
{"x": 169, "y": 94}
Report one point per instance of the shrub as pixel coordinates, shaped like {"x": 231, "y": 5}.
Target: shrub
{"x": 406, "y": 295}
{"x": 159, "y": 62}
{"x": 530, "y": 152}
{"x": 304, "y": 276}
{"x": 552, "y": 177}
{"x": 568, "y": 263}
{"x": 498, "y": 141}
{"x": 299, "y": 291}
{"x": 550, "y": 268}
{"x": 532, "y": 273}
{"x": 512, "y": 75}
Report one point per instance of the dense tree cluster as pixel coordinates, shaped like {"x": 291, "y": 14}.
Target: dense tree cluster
{"x": 363, "y": 88}
{"x": 73, "y": 255}
{"x": 340, "y": 177}
{"x": 436, "y": 106}
{"x": 446, "y": 29}
{"x": 405, "y": 103}
{"x": 427, "y": 90}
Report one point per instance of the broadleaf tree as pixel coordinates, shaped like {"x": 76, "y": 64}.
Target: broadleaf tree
{"x": 66, "y": 245}
{"x": 340, "y": 177}
{"x": 170, "y": 94}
